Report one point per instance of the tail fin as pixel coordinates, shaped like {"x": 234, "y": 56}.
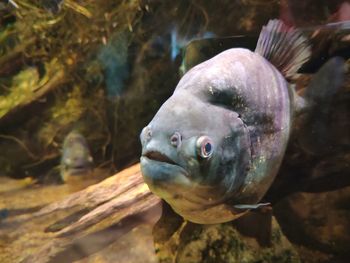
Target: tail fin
{"x": 313, "y": 124}
{"x": 285, "y": 47}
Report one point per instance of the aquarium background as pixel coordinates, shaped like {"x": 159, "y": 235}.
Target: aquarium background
{"x": 103, "y": 69}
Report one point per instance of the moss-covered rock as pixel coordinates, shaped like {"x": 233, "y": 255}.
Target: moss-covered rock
{"x": 225, "y": 243}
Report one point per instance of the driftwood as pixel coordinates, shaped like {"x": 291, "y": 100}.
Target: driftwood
{"x": 99, "y": 193}
{"x": 93, "y": 218}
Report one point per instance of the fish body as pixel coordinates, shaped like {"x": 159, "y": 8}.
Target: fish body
{"x": 76, "y": 160}
{"x": 215, "y": 146}
{"x": 113, "y": 58}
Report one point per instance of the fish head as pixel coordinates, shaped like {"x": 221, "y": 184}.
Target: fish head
{"x": 194, "y": 154}
{"x": 76, "y": 157}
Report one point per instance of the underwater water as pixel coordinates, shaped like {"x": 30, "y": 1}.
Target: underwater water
{"x": 175, "y": 131}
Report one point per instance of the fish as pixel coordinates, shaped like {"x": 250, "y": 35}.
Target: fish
{"x": 178, "y": 42}
{"x": 76, "y": 160}
{"x": 200, "y": 50}
{"x": 215, "y": 146}
{"x": 113, "y": 58}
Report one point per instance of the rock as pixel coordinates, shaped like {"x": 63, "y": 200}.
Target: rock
{"x": 225, "y": 243}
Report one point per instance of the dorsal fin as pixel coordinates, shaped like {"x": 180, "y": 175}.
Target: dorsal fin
{"x": 285, "y": 47}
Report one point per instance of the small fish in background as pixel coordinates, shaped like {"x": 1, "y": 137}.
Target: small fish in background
{"x": 114, "y": 60}
{"x": 76, "y": 161}
{"x": 200, "y": 50}
{"x": 215, "y": 146}
{"x": 177, "y": 43}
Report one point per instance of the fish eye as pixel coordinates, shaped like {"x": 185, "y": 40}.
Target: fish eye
{"x": 204, "y": 147}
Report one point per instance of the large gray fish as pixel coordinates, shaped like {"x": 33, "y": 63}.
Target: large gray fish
{"x": 215, "y": 146}
{"x": 76, "y": 160}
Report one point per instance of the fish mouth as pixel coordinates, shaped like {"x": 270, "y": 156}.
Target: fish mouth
{"x": 172, "y": 182}
{"x": 158, "y": 156}
{"x": 158, "y": 168}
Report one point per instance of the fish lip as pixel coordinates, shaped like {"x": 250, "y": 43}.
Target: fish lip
{"x": 159, "y": 157}
{"x": 144, "y": 158}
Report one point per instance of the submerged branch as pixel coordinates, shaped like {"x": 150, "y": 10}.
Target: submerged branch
{"x": 116, "y": 205}
{"x": 99, "y": 193}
